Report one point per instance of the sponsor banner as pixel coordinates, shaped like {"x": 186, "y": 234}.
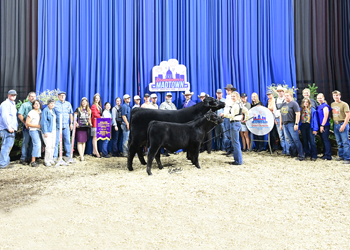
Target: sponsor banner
{"x": 261, "y": 120}
{"x": 103, "y": 129}
{"x": 169, "y": 76}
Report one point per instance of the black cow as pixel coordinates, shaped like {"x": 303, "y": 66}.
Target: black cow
{"x": 175, "y": 136}
{"x": 140, "y": 118}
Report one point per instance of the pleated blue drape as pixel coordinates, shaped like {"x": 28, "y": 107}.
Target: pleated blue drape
{"x": 109, "y": 47}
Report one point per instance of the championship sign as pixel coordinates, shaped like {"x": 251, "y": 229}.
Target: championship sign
{"x": 169, "y": 76}
{"x": 103, "y": 129}
{"x": 261, "y": 120}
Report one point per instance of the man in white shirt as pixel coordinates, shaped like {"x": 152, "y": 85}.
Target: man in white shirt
{"x": 147, "y": 104}
{"x": 137, "y": 100}
{"x": 280, "y": 101}
{"x": 154, "y": 104}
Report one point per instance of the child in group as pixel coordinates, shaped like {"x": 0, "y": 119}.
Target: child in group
{"x": 106, "y": 114}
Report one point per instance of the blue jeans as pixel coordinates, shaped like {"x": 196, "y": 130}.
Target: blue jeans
{"x": 234, "y": 131}
{"x": 8, "y": 139}
{"x": 342, "y": 141}
{"x": 116, "y": 136}
{"x": 308, "y": 140}
{"x": 26, "y": 146}
{"x": 227, "y": 138}
{"x": 327, "y": 149}
{"x": 126, "y": 132}
{"x": 219, "y": 139}
{"x": 36, "y": 139}
{"x": 105, "y": 147}
{"x": 283, "y": 139}
{"x": 65, "y": 140}
{"x": 295, "y": 144}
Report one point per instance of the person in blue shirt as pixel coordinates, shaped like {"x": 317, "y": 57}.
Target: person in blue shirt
{"x": 125, "y": 123}
{"x": 65, "y": 108}
{"x": 308, "y": 126}
{"x": 8, "y": 127}
{"x": 188, "y": 102}
{"x": 323, "y": 111}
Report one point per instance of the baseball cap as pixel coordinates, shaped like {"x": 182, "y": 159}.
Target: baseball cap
{"x": 126, "y": 96}
{"x": 154, "y": 96}
{"x": 12, "y": 92}
{"x": 243, "y": 95}
{"x": 219, "y": 91}
{"x": 137, "y": 97}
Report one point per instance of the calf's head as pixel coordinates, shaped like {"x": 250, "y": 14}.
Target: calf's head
{"x": 213, "y": 103}
{"x": 214, "y": 118}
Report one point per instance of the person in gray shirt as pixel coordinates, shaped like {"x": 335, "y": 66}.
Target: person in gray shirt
{"x": 167, "y": 104}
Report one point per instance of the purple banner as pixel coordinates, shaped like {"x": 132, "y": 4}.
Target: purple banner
{"x": 103, "y": 129}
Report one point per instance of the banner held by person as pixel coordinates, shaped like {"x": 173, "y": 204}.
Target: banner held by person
{"x": 103, "y": 129}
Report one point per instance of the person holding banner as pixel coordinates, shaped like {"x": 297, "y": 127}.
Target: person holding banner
{"x": 106, "y": 114}
{"x": 48, "y": 129}
{"x": 117, "y": 126}
{"x": 235, "y": 114}
{"x": 96, "y": 112}
{"x": 259, "y": 146}
{"x": 65, "y": 108}
{"x": 125, "y": 124}
{"x": 290, "y": 117}
{"x": 34, "y": 126}
{"x": 83, "y": 113}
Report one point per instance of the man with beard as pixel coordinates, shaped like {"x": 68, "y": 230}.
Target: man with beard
{"x": 168, "y": 105}
{"x": 22, "y": 115}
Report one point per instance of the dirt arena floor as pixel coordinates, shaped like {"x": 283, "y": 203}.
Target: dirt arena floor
{"x": 269, "y": 202}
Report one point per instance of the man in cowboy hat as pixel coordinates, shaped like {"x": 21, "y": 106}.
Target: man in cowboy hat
{"x": 228, "y": 105}
{"x": 167, "y": 104}
{"x": 280, "y": 102}
{"x": 202, "y": 96}
{"x": 188, "y": 102}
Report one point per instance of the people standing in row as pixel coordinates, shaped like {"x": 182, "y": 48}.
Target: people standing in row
{"x": 280, "y": 101}
{"x": 117, "y": 126}
{"x": 96, "y": 112}
{"x": 83, "y": 123}
{"x": 220, "y": 129}
{"x": 309, "y": 128}
{"x": 125, "y": 124}
{"x": 188, "y": 102}
{"x": 228, "y": 106}
{"x": 8, "y": 127}
{"x": 244, "y": 133}
{"x": 167, "y": 104}
{"x": 323, "y": 112}
{"x": 137, "y": 101}
{"x": 259, "y": 144}
{"x": 48, "y": 130}
{"x": 22, "y": 115}
{"x": 33, "y": 123}
{"x": 65, "y": 108}
{"x": 290, "y": 117}
{"x": 341, "y": 116}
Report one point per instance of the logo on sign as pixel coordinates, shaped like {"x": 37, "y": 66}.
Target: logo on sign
{"x": 262, "y": 120}
{"x": 169, "y": 76}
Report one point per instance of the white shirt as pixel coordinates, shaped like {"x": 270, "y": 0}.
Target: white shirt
{"x": 106, "y": 114}
{"x": 34, "y": 119}
{"x": 147, "y": 106}
{"x": 228, "y": 103}
{"x": 233, "y": 112}
{"x": 277, "y": 112}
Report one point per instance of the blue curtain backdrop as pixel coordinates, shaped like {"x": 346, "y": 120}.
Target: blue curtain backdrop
{"x": 109, "y": 47}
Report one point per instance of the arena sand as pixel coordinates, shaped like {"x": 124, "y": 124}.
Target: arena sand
{"x": 269, "y": 202}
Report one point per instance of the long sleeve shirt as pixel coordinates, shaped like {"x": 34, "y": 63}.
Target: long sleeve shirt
{"x": 64, "y": 108}
{"x": 8, "y": 118}
{"x": 233, "y": 112}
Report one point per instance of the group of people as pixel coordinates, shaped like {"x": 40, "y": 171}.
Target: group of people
{"x": 41, "y": 126}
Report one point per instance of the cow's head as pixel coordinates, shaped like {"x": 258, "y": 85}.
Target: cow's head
{"x": 213, "y": 117}
{"x": 213, "y": 103}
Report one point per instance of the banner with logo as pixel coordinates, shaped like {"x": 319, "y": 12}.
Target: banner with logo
{"x": 169, "y": 76}
{"x": 261, "y": 120}
{"x": 103, "y": 129}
